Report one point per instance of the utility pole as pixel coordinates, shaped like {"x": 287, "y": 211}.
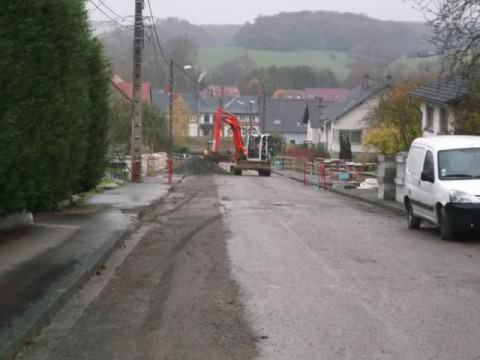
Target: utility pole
{"x": 222, "y": 94}
{"x": 138, "y": 43}
{"x": 170, "y": 112}
{"x": 264, "y": 111}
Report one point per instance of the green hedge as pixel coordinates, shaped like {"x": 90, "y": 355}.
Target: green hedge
{"x": 53, "y": 104}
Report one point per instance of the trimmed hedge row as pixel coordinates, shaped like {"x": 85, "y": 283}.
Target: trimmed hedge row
{"x": 53, "y": 104}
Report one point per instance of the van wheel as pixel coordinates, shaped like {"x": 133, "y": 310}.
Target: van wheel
{"x": 446, "y": 232}
{"x": 413, "y": 221}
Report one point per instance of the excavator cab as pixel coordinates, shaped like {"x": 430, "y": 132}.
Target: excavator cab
{"x": 259, "y": 147}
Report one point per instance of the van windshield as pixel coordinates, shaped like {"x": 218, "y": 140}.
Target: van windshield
{"x": 459, "y": 164}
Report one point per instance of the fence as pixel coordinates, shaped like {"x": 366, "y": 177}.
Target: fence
{"x": 118, "y": 167}
{"x": 322, "y": 172}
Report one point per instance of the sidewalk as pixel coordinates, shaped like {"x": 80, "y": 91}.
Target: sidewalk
{"x": 368, "y": 196}
{"x": 43, "y": 264}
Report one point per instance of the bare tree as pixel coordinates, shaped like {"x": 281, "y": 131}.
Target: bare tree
{"x": 456, "y": 33}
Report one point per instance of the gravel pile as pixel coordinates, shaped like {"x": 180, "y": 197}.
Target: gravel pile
{"x": 197, "y": 165}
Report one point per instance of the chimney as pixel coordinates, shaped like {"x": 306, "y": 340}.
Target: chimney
{"x": 366, "y": 82}
{"x": 389, "y": 79}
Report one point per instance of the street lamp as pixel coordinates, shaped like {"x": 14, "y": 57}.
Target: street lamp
{"x": 197, "y": 93}
{"x": 251, "y": 116}
{"x": 280, "y": 122}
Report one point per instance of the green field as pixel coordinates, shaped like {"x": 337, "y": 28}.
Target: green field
{"x": 209, "y": 58}
{"x": 413, "y": 63}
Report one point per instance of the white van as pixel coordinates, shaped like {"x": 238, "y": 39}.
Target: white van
{"x": 442, "y": 184}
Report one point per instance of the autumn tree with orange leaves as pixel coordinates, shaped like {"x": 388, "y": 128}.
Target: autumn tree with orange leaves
{"x": 396, "y": 121}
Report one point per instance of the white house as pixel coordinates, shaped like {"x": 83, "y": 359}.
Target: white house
{"x": 347, "y": 119}
{"x": 439, "y": 102}
{"x": 202, "y": 111}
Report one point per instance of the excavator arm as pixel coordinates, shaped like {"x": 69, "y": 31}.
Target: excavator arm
{"x": 222, "y": 117}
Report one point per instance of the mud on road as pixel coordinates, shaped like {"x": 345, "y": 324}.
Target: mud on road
{"x": 172, "y": 298}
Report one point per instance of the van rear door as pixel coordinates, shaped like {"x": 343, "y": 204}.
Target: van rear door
{"x": 425, "y": 197}
{"x": 415, "y": 161}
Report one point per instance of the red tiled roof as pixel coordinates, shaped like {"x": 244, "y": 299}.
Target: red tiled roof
{"x": 326, "y": 94}
{"x": 215, "y": 91}
{"x": 288, "y": 94}
{"x": 126, "y": 88}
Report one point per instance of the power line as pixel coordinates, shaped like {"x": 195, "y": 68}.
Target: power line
{"x": 158, "y": 67}
{"x": 164, "y": 55}
{"x": 111, "y": 10}
{"x": 107, "y": 15}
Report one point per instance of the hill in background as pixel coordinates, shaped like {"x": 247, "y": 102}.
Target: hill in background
{"x": 347, "y": 45}
{"x": 331, "y": 31}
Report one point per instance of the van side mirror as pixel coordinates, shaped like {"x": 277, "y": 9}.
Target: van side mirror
{"x": 428, "y": 176}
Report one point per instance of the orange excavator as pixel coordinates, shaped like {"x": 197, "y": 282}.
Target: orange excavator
{"x": 256, "y": 156}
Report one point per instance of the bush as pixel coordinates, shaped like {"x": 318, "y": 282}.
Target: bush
{"x": 47, "y": 106}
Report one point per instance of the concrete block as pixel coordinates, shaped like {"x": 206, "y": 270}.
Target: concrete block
{"x": 386, "y": 191}
{"x": 12, "y": 221}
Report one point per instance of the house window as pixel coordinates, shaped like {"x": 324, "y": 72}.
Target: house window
{"x": 206, "y": 118}
{"x": 353, "y": 136}
{"x": 443, "y": 121}
{"x": 292, "y": 142}
{"x": 429, "y": 124}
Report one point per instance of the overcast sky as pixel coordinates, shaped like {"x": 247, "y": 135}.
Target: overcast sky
{"x": 231, "y": 12}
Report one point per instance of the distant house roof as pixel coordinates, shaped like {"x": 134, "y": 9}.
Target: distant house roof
{"x": 217, "y": 91}
{"x": 126, "y": 89}
{"x": 286, "y": 115}
{"x": 442, "y": 91}
{"x": 356, "y": 97}
{"x": 236, "y": 105}
{"x": 288, "y": 94}
{"x": 326, "y": 94}
{"x": 242, "y": 105}
{"x": 160, "y": 100}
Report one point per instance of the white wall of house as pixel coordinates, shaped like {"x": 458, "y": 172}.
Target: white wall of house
{"x": 313, "y": 135}
{"x": 195, "y": 128}
{"x": 356, "y": 123}
{"x": 353, "y": 124}
{"x": 192, "y": 129}
{"x": 227, "y": 131}
{"x": 437, "y": 120}
{"x": 298, "y": 138}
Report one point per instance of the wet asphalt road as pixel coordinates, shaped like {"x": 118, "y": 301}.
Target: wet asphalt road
{"x": 264, "y": 268}
{"x": 325, "y": 277}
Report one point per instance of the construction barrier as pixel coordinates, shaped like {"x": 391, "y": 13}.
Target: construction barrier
{"x": 322, "y": 172}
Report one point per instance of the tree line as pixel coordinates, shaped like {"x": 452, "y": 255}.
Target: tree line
{"x": 322, "y": 30}
{"x": 244, "y": 73}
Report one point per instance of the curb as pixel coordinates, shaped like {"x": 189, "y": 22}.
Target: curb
{"x": 378, "y": 204}
{"x": 40, "y": 314}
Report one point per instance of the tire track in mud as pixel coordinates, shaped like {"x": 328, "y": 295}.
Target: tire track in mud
{"x": 174, "y": 296}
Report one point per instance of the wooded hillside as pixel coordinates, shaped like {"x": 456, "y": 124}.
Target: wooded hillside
{"x": 333, "y": 31}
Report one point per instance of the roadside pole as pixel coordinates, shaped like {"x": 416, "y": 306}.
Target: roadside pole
{"x": 170, "y": 112}
{"x": 136, "y": 141}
